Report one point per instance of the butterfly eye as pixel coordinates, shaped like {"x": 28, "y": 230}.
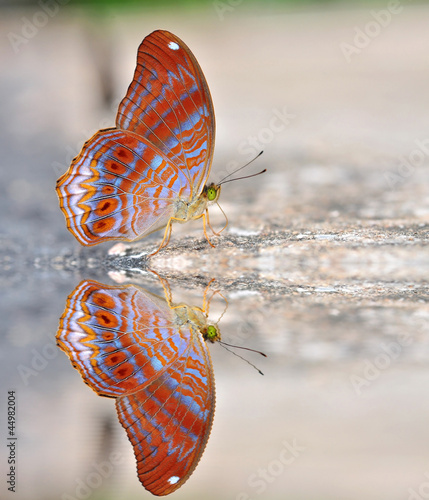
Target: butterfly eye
{"x": 212, "y": 333}
{"x": 211, "y": 193}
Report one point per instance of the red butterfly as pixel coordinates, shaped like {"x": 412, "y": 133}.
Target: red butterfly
{"x": 151, "y": 170}
{"x": 152, "y": 357}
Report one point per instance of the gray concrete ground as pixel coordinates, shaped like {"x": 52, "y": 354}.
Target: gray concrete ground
{"x": 324, "y": 263}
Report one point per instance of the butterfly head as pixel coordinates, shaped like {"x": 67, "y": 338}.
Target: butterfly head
{"x": 211, "y": 333}
{"x": 211, "y": 192}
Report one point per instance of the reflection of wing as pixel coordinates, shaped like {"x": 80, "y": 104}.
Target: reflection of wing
{"x": 125, "y": 343}
{"x": 119, "y": 187}
{"x": 169, "y": 421}
{"x": 169, "y": 103}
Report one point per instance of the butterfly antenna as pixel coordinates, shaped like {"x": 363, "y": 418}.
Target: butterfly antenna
{"x": 223, "y": 181}
{"x": 245, "y": 176}
{"x": 224, "y": 345}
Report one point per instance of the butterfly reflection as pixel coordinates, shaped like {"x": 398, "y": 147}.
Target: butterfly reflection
{"x": 150, "y": 355}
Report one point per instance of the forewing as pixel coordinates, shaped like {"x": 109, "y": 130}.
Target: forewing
{"x": 120, "y": 187}
{"x": 169, "y": 103}
{"x": 120, "y": 338}
{"x": 169, "y": 421}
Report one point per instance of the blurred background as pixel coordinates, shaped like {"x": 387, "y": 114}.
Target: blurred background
{"x": 324, "y": 263}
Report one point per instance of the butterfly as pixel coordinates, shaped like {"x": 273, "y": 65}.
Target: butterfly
{"x": 152, "y": 357}
{"x": 151, "y": 169}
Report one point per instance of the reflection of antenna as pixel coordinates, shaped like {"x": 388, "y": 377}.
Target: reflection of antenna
{"x": 223, "y": 181}
{"x": 224, "y": 344}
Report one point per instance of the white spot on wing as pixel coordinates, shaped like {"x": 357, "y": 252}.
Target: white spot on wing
{"x": 156, "y": 363}
{"x": 173, "y": 46}
{"x": 173, "y": 479}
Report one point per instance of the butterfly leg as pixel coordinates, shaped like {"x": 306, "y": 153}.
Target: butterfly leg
{"x": 226, "y": 305}
{"x": 226, "y": 218}
{"x": 167, "y": 235}
{"x": 206, "y": 302}
{"x": 168, "y": 229}
{"x": 208, "y": 221}
{"x": 210, "y": 226}
{"x": 203, "y": 215}
{"x": 165, "y": 286}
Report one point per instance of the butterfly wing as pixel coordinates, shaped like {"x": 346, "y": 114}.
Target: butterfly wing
{"x": 123, "y": 184}
{"x": 120, "y": 187}
{"x": 169, "y": 103}
{"x": 169, "y": 421}
{"x": 114, "y": 336}
{"x": 126, "y": 344}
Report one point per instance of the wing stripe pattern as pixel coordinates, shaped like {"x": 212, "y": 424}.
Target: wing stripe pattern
{"x": 103, "y": 194}
{"x": 169, "y": 103}
{"x": 129, "y": 344}
{"x": 166, "y": 422}
{"x": 114, "y": 348}
{"x": 127, "y": 182}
